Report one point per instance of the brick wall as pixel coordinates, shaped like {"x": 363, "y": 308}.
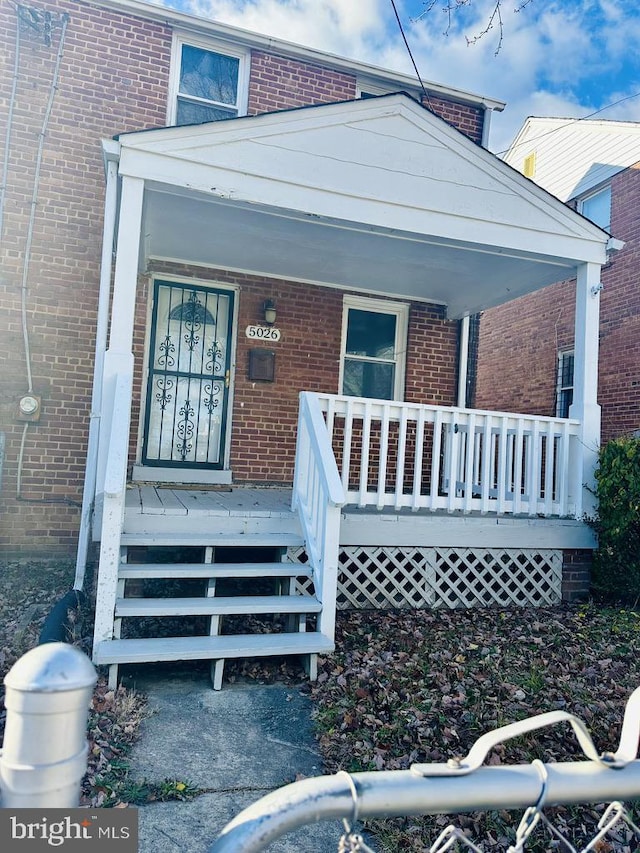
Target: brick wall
{"x": 519, "y": 341}
{"x": 307, "y": 358}
{"x": 114, "y": 78}
{"x": 278, "y": 83}
{"x": 467, "y": 118}
{"x": 576, "y": 574}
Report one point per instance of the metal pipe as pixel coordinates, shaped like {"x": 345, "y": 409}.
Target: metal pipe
{"x": 7, "y": 138}
{"x": 463, "y": 362}
{"x": 102, "y": 326}
{"x": 44, "y": 754}
{"x": 401, "y": 793}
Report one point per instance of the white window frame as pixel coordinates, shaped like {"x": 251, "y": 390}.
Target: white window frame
{"x": 180, "y": 39}
{"x": 560, "y": 387}
{"x": 372, "y": 87}
{"x": 586, "y": 198}
{"x": 400, "y": 310}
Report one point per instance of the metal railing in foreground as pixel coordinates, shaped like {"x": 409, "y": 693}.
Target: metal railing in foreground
{"x": 461, "y": 785}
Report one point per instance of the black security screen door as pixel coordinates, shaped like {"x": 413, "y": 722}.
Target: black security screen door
{"x": 188, "y": 387}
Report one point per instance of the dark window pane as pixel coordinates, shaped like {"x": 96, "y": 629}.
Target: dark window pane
{"x": 566, "y": 370}
{"x": 209, "y": 75}
{"x": 366, "y": 379}
{"x": 189, "y": 113}
{"x": 371, "y": 334}
{"x": 564, "y": 402}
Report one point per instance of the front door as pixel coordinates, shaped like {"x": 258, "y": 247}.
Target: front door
{"x": 189, "y": 369}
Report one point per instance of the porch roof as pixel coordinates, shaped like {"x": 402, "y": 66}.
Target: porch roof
{"x": 378, "y": 195}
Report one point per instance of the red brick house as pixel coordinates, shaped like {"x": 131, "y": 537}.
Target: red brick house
{"x": 234, "y": 285}
{"x": 526, "y": 347}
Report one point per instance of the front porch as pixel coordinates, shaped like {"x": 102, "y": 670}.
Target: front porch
{"x": 406, "y": 501}
{"x": 387, "y": 531}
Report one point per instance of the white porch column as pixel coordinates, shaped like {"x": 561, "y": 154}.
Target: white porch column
{"x": 585, "y": 380}
{"x": 118, "y": 358}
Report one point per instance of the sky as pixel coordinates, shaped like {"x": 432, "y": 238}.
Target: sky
{"x": 565, "y": 58}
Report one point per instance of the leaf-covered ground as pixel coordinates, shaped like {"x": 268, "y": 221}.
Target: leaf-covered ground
{"x": 409, "y": 687}
{"x": 28, "y": 591}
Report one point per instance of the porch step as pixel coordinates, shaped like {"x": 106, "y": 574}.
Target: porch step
{"x": 211, "y": 648}
{"x": 228, "y": 605}
{"x": 220, "y": 540}
{"x": 213, "y": 570}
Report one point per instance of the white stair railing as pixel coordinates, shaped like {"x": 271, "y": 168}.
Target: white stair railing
{"x": 408, "y": 455}
{"x": 317, "y": 497}
{"x": 114, "y": 490}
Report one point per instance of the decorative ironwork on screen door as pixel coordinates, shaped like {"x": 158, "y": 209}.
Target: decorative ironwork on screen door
{"x": 189, "y": 371}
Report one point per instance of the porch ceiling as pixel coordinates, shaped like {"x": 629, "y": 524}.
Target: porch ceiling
{"x": 377, "y": 195}
{"x": 267, "y": 241}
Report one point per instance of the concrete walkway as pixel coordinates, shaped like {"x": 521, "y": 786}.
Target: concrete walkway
{"x": 237, "y": 744}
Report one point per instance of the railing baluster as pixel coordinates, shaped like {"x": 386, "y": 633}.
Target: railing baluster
{"x": 384, "y": 452}
{"x": 402, "y": 450}
{"x": 548, "y": 473}
{"x": 487, "y": 464}
{"x": 453, "y": 444}
{"x": 364, "y": 464}
{"x": 535, "y": 469}
{"x": 434, "y": 485}
{"x": 468, "y": 473}
{"x": 346, "y": 445}
{"x": 416, "y": 501}
{"x": 563, "y": 470}
{"x": 502, "y": 466}
{"x": 517, "y": 468}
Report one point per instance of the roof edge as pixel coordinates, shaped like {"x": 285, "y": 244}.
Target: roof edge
{"x": 164, "y": 14}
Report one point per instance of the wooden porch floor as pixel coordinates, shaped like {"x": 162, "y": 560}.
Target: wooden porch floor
{"x": 166, "y": 509}
{"x": 163, "y": 500}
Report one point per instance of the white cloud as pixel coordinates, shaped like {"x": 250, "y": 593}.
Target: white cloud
{"x": 558, "y": 57}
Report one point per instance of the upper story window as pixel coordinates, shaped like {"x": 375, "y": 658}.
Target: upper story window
{"x": 208, "y": 82}
{"x": 366, "y": 88}
{"x": 597, "y": 207}
{"x": 374, "y": 343}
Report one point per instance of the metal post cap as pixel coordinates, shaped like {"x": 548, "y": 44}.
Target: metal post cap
{"x": 51, "y": 668}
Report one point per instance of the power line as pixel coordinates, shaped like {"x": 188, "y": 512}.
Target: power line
{"x": 406, "y": 43}
{"x": 572, "y": 121}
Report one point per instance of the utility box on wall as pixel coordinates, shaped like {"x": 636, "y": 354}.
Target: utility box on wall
{"x": 262, "y": 365}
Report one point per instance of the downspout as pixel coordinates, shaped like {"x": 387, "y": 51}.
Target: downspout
{"x": 486, "y": 127}
{"x": 108, "y": 233}
{"x": 463, "y": 361}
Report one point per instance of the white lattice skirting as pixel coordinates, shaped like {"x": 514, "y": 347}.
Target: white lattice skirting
{"x": 404, "y": 578}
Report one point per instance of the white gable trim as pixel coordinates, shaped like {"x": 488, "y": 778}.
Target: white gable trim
{"x": 428, "y": 179}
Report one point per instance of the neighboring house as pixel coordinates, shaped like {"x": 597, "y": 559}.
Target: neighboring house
{"x": 286, "y": 288}
{"x": 526, "y": 347}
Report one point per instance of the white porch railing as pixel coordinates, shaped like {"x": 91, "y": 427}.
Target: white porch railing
{"x": 114, "y": 487}
{"x": 394, "y": 454}
{"x": 317, "y": 497}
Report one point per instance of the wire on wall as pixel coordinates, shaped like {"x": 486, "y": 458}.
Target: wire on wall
{"x": 42, "y": 23}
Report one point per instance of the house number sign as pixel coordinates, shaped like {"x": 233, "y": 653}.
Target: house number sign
{"x": 262, "y": 333}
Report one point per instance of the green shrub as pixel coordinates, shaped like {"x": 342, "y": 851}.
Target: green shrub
{"x": 616, "y": 567}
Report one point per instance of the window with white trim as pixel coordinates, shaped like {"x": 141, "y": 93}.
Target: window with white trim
{"x": 597, "y": 207}
{"x": 208, "y": 82}
{"x": 564, "y": 384}
{"x": 374, "y": 343}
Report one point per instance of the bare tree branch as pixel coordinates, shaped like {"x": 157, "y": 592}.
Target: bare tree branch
{"x": 452, "y": 7}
